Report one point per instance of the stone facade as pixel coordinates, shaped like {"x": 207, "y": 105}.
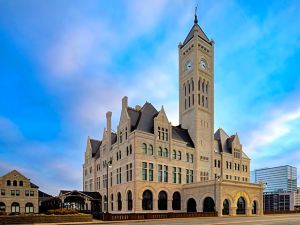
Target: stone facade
{"x": 18, "y": 194}
{"x": 152, "y": 166}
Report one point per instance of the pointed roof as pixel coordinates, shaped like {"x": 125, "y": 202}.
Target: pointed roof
{"x": 201, "y": 33}
{"x": 95, "y": 145}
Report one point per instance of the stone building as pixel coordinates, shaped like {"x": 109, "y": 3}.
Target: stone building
{"x": 151, "y": 165}
{"x": 18, "y": 194}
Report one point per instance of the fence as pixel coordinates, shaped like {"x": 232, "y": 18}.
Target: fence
{"x": 145, "y": 216}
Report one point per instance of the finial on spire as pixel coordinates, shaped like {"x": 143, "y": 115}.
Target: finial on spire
{"x": 196, "y": 19}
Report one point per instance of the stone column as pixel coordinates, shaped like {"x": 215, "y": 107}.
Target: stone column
{"x": 232, "y": 211}
{"x": 249, "y": 211}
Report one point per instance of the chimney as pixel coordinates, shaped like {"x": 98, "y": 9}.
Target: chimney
{"x": 124, "y": 102}
{"x": 108, "y": 121}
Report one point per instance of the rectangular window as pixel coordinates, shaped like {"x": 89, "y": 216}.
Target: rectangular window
{"x": 150, "y": 171}
{"x": 26, "y": 193}
{"x": 230, "y": 165}
{"x": 187, "y": 176}
{"x": 191, "y": 176}
{"x": 13, "y": 192}
{"x": 144, "y": 170}
{"x": 120, "y": 175}
{"x": 159, "y": 173}
{"x": 192, "y": 158}
{"x": 127, "y": 172}
{"x": 2, "y": 191}
{"x": 17, "y": 192}
{"x": 187, "y": 157}
{"x": 111, "y": 179}
{"x": 179, "y": 175}
{"x": 215, "y": 163}
{"x": 174, "y": 175}
{"x": 165, "y": 173}
{"x": 219, "y": 164}
{"x": 31, "y": 193}
{"x": 226, "y": 164}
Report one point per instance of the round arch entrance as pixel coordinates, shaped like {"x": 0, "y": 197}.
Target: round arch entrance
{"x": 191, "y": 205}
{"x": 208, "y": 205}
{"x": 225, "y": 210}
{"x": 254, "y": 207}
{"x": 241, "y": 206}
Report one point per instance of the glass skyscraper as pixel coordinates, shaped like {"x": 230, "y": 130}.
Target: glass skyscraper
{"x": 277, "y": 179}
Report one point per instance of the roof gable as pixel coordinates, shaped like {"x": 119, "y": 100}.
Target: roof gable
{"x": 190, "y": 35}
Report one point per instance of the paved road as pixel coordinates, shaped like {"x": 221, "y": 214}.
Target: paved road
{"x": 291, "y": 219}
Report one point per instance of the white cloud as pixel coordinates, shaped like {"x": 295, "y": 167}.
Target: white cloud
{"x": 273, "y": 129}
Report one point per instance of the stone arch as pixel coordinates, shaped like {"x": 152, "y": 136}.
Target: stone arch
{"x": 147, "y": 200}
{"x": 2, "y": 207}
{"x": 176, "y": 200}
{"x": 226, "y": 207}
{"x": 191, "y": 205}
{"x": 201, "y": 200}
{"x": 244, "y": 195}
{"x": 241, "y": 206}
{"x": 154, "y": 192}
{"x": 208, "y": 204}
{"x": 162, "y": 200}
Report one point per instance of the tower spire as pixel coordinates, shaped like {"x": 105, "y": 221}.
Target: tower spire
{"x": 196, "y": 19}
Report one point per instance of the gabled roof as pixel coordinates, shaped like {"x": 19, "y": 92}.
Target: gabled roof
{"x": 90, "y": 194}
{"x": 146, "y": 123}
{"x": 32, "y": 185}
{"x": 95, "y": 145}
{"x": 181, "y": 134}
{"x": 190, "y": 35}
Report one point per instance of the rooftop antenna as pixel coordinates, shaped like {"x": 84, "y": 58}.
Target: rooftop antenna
{"x": 196, "y": 19}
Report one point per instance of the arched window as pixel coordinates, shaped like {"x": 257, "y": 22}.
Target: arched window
{"x": 8, "y": 182}
{"x": 176, "y": 202}
{"x": 206, "y": 102}
{"x": 184, "y": 89}
{"x": 15, "y": 183}
{"x": 112, "y": 202}
{"x": 192, "y": 82}
{"x": 105, "y": 203}
{"x": 206, "y": 88}
{"x": 119, "y": 201}
{"x": 20, "y": 183}
{"x": 179, "y": 155}
{"x": 174, "y": 154}
{"x": 29, "y": 208}
{"x": 189, "y": 86}
{"x": 225, "y": 210}
{"x": 150, "y": 149}
{"x": 192, "y": 158}
{"x": 144, "y": 148}
{"x": 193, "y": 99}
{"x": 159, "y": 151}
{"x": 162, "y": 201}
{"x": 127, "y": 150}
{"x": 203, "y": 86}
{"x": 147, "y": 202}
{"x": 166, "y": 153}
{"x": 191, "y": 205}
{"x": 2, "y": 207}
{"x": 254, "y": 207}
{"x": 130, "y": 149}
{"x": 241, "y": 206}
{"x": 129, "y": 200}
{"x": 185, "y": 103}
{"x": 199, "y": 84}
{"x": 15, "y": 207}
{"x": 208, "y": 205}
{"x": 202, "y": 100}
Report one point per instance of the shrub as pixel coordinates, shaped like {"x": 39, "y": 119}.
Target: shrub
{"x": 62, "y": 211}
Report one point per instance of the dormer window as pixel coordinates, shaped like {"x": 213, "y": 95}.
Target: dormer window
{"x": 237, "y": 153}
{"x": 163, "y": 134}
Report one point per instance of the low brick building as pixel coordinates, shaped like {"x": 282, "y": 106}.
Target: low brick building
{"x": 18, "y": 195}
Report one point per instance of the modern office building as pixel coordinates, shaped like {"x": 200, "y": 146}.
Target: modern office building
{"x": 18, "y": 194}
{"x": 277, "y": 179}
{"x": 149, "y": 165}
{"x": 279, "y": 201}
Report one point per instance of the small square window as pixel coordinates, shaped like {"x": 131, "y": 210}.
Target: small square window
{"x": 26, "y": 193}
{"x": 13, "y": 193}
{"x": 31, "y": 193}
{"x": 2, "y": 192}
{"x": 17, "y": 193}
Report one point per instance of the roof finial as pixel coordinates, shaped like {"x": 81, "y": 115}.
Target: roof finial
{"x": 196, "y": 19}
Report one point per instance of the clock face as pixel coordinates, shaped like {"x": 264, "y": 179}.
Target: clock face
{"x": 203, "y": 64}
{"x": 189, "y": 65}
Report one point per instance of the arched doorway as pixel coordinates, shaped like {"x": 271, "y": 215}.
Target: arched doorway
{"x": 162, "y": 200}
{"x": 119, "y": 201}
{"x": 225, "y": 210}
{"x": 176, "y": 202}
{"x": 129, "y": 200}
{"x": 208, "y": 205}
{"x": 15, "y": 207}
{"x": 2, "y": 207}
{"x": 191, "y": 205}
{"x": 241, "y": 206}
{"x": 147, "y": 202}
{"x": 29, "y": 208}
{"x": 254, "y": 207}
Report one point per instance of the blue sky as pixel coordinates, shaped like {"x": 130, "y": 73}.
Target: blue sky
{"x": 63, "y": 64}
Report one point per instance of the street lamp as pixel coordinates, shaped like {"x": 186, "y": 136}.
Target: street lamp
{"x": 217, "y": 178}
{"x": 108, "y": 165}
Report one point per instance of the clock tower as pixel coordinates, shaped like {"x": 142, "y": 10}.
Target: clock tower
{"x": 196, "y": 96}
